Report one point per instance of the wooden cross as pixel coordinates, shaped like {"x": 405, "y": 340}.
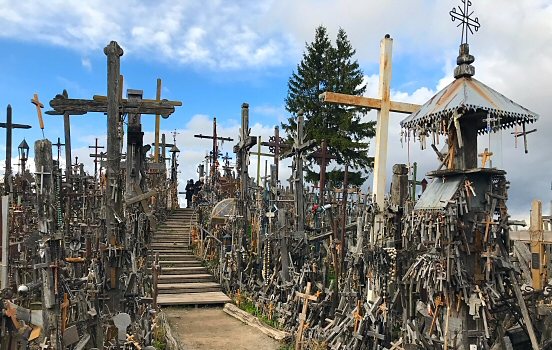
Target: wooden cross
{"x": 489, "y": 255}
{"x": 11, "y": 313}
{"x": 9, "y": 128}
{"x": 96, "y": 155}
{"x": 323, "y": 158}
{"x": 384, "y": 105}
{"x": 58, "y": 145}
{"x": 524, "y": 134}
{"x": 357, "y": 316}
{"x": 275, "y": 145}
{"x": 438, "y": 304}
{"x": 414, "y": 182}
{"x": 215, "y": 151}
{"x": 488, "y": 223}
{"x": 537, "y": 237}
{"x": 485, "y": 157}
{"x": 259, "y": 154}
{"x": 303, "y": 316}
{"x": 64, "y": 307}
{"x": 39, "y": 107}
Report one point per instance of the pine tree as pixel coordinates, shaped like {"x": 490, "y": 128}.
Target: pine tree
{"x": 328, "y": 68}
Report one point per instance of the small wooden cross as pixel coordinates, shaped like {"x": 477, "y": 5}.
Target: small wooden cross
{"x": 64, "y": 306}
{"x": 438, "y": 303}
{"x": 485, "y": 157}
{"x": 357, "y": 316}
{"x": 303, "y": 316}
{"x": 489, "y": 255}
{"x": 11, "y": 313}
{"x": 270, "y": 310}
{"x": 488, "y": 224}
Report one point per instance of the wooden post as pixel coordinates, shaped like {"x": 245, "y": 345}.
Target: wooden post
{"x": 537, "y": 246}
{"x": 5, "y": 242}
{"x": 157, "y": 123}
{"x": 67, "y": 131}
{"x": 303, "y": 315}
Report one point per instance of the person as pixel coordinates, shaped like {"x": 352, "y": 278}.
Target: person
{"x": 189, "y": 193}
{"x": 198, "y": 186}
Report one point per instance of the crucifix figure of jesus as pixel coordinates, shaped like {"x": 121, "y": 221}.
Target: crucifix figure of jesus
{"x": 384, "y": 105}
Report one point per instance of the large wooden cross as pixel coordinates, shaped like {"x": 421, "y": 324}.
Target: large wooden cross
{"x": 384, "y": 105}
{"x": 215, "y": 151}
{"x": 96, "y": 155}
{"x": 537, "y": 237}
{"x": 39, "y": 107}
{"x": 9, "y": 126}
{"x": 259, "y": 154}
{"x": 275, "y": 145}
{"x": 303, "y": 315}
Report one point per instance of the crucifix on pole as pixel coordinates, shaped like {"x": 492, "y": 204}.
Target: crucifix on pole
{"x": 215, "y": 151}
{"x": 275, "y": 145}
{"x": 323, "y": 158}
{"x": 9, "y": 126}
{"x": 384, "y": 105}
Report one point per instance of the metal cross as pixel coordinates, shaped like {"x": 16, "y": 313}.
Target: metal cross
{"x": 58, "y": 145}
{"x": 466, "y": 22}
{"x": 41, "y": 173}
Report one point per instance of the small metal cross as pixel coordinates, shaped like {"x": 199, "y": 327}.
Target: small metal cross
{"x": 466, "y": 22}
{"x": 41, "y": 173}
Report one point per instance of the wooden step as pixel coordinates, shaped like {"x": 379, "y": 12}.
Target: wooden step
{"x": 200, "y": 277}
{"x": 185, "y": 256}
{"x": 193, "y": 270}
{"x": 193, "y": 298}
{"x": 197, "y": 287}
{"x": 169, "y": 251}
{"x": 180, "y": 263}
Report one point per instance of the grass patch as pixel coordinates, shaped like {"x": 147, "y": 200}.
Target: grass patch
{"x": 249, "y": 306}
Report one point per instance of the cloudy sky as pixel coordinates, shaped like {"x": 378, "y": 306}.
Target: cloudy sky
{"x": 215, "y": 55}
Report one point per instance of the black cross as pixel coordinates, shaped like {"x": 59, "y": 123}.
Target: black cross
{"x": 466, "y": 22}
{"x": 9, "y": 128}
{"x": 58, "y": 145}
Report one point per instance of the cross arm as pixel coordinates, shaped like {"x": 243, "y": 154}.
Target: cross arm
{"x": 173, "y": 103}
{"x": 62, "y": 105}
{"x": 361, "y": 101}
{"x": 528, "y": 236}
{"x": 15, "y": 126}
{"x": 201, "y": 136}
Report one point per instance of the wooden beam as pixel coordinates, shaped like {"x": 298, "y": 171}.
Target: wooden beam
{"x": 368, "y": 102}
{"x": 104, "y": 98}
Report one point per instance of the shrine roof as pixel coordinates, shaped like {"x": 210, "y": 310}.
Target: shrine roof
{"x": 473, "y": 96}
{"x": 438, "y": 194}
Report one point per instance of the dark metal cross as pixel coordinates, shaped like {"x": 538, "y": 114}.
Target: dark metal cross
{"x": 9, "y": 128}
{"x": 323, "y": 158}
{"x": 275, "y": 145}
{"x": 466, "y": 21}
{"x": 215, "y": 151}
{"x": 95, "y": 155}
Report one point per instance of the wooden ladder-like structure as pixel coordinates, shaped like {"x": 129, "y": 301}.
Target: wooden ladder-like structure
{"x": 183, "y": 280}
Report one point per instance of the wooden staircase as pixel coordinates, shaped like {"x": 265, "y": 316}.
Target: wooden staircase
{"x": 183, "y": 280}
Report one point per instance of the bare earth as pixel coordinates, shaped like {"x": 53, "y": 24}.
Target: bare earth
{"x": 212, "y": 328}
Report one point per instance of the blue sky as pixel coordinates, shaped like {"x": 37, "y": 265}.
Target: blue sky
{"x": 215, "y": 55}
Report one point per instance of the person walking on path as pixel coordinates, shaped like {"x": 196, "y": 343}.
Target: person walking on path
{"x": 189, "y": 193}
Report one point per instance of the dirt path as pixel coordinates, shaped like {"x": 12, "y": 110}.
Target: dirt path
{"x": 212, "y": 328}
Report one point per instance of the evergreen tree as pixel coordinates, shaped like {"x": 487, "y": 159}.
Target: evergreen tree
{"x": 328, "y": 68}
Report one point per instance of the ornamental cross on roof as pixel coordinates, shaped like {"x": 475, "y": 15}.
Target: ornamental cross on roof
{"x": 466, "y": 21}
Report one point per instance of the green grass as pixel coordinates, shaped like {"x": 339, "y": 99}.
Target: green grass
{"x": 249, "y": 307}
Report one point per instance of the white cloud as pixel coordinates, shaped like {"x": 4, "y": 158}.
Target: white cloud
{"x": 86, "y": 64}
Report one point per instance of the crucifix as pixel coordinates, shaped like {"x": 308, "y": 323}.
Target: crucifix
{"x": 215, "y": 151}
{"x": 303, "y": 315}
{"x": 58, "y": 145}
{"x": 39, "y": 107}
{"x": 323, "y": 158}
{"x": 9, "y": 126}
{"x": 275, "y": 145}
{"x": 384, "y": 105}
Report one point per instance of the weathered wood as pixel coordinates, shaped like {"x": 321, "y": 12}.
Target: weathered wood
{"x": 193, "y": 298}
{"x": 62, "y": 105}
{"x": 253, "y": 321}
{"x": 361, "y": 101}
{"x": 140, "y": 197}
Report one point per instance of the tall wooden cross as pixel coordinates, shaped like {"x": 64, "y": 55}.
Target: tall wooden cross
{"x": 259, "y": 154}
{"x": 96, "y": 155}
{"x": 303, "y": 315}
{"x": 323, "y": 158}
{"x": 384, "y": 105}
{"x": 9, "y": 126}
{"x": 275, "y": 145}
{"x": 537, "y": 237}
{"x": 298, "y": 150}
{"x": 524, "y": 134}
{"x": 215, "y": 151}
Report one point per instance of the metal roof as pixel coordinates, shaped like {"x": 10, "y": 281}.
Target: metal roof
{"x": 474, "y": 96}
{"x": 438, "y": 193}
